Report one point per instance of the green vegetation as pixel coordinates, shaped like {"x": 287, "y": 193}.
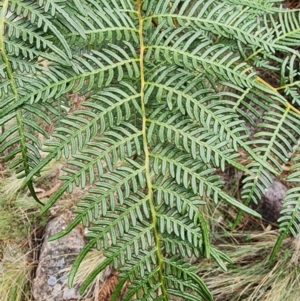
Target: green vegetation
{"x": 144, "y": 105}
{"x": 16, "y": 249}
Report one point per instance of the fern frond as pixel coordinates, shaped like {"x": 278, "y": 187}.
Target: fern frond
{"x": 221, "y": 20}
{"x": 212, "y": 116}
{"x": 115, "y": 24}
{"x": 190, "y": 137}
{"x": 102, "y": 155}
{"x": 168, "y": 92}
{"x": 286, "y": 33}
{"x": 31, "y": 33}
{"x": 190, "y": 175}
{"x": 288, "y": 29}
{"x": 290, "y": 213}
{"x": 275, "y": 144}
{"x": 257, "y": 6}
{"x": 36, "y": 15}
{"x": 93, "y": 69}
{"x": 181, "y": 269}
{"x": 86, "y": 123}
{"x": 211, "y": 60}
{"x": 286, "y": 127}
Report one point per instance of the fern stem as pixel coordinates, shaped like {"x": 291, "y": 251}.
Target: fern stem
{"x": 275, "y": 90}
{"x": 293, "y": 84}
{"x": 277, "y": 246}
{"x": 147, "y": 156}
{"x": 14, "y": 89}
{"x": 260, "y": 80}
{"x": 292, "y": 108}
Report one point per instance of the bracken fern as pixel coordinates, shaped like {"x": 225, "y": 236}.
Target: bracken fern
{"x": 171, "y": 90}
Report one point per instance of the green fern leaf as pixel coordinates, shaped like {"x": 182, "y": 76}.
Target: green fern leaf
{"x": 290, "y": 217}
{"x": 169, "y": 91}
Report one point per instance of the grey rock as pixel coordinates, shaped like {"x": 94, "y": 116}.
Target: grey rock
{"x": 50, "y": 282}
{"x": 270, "y": 205}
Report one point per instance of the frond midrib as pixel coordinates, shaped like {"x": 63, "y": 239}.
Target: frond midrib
{"x": 160, "y": 265}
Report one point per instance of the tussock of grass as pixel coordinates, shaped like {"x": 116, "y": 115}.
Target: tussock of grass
{"x": 14, "y": 275}
{"x": 17, "y": 220}
{"x": 252, "y": 277}
{"x": 9, "y": 188}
